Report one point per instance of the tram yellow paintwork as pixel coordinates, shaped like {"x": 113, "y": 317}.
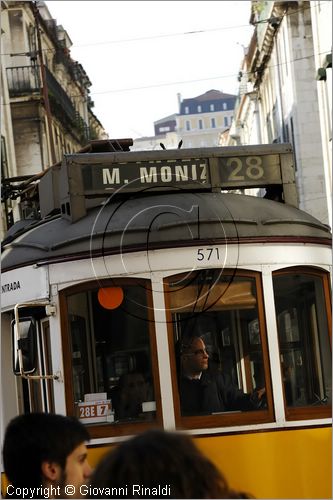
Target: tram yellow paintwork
{"x": 293, "y": 463}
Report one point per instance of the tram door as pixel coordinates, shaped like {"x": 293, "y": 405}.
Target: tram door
{"x": 36, "y": 394}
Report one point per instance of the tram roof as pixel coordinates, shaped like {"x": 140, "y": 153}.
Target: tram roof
{"x": 160, "y": 221}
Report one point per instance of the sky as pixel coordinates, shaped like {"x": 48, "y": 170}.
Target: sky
{"x": 139, "y": 55}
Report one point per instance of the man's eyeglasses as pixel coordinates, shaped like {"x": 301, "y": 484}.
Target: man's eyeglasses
{"x": 198, "y": 352}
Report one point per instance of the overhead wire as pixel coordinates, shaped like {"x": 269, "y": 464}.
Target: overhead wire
{"x": 169, "y": 35}
{"x": 142, "y": 38}
{"x": 166, "y": 84}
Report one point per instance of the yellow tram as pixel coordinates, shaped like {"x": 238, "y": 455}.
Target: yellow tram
{"x": 131, "y": 253}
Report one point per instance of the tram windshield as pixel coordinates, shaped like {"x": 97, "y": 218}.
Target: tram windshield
{"x": 109, "y": 332}
{"x": 219, "y": 342}
{"x": 305, "y": 351}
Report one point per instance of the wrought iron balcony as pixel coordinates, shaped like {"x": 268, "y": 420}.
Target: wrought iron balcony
{"x": 61, "y": 105}
{"x": 23, "y": 80}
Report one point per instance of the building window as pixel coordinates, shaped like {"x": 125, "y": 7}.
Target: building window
{"x": 211, "y": 107}
{"x": 213, "y": 123}
{"x": 188, "y": 125}
{"x": 225, "y": 121}
{"x": 225, "y": 106}
{"x": 187, "y": 110}
{"x": 199, "y": 109}
{"x": 200, "y": 124}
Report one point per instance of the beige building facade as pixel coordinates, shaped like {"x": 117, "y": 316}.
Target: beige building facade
{"x": 282, "y": 98}
{"x": 198, "y": 123}
{"x": 201, "y": 119}
{"x": 46, "y": 104}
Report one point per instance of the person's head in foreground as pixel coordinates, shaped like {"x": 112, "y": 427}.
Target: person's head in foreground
{"x": 45, "y": 452}
{"x": 159, "y": 464}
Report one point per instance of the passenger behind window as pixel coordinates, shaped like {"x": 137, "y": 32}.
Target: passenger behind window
{"x": 128, "y": 396}
{"x": 292, "y": 392}
{"x": 203, "y": 392}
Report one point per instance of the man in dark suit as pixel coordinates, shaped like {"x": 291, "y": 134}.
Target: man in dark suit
{"x": 203, "y": 393}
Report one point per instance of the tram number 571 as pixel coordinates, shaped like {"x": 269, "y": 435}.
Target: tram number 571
{"x": 208, "y": 253}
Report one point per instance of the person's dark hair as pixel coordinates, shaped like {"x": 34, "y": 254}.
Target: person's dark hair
{"x": 187, "y": 342}
{"x": 155, "y": 459}
{"x": 33, "y": 438}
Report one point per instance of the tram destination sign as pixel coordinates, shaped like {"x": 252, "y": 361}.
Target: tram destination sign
{"x": 93, "y": 175}
{"x": 137, "y": 176}
{"x": 193, "y": 174}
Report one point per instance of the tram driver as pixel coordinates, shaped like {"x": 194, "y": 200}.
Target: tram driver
{"x": 202, "y": 392}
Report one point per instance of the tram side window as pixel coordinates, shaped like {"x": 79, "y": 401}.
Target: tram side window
{"x": 109, "y": 333}
{"x": 218, "y": 336}
{"x": 305, "y": 351}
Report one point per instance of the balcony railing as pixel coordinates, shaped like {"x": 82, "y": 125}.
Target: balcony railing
{"x": 59, "y": 98}
{"x": 23, "y": 80}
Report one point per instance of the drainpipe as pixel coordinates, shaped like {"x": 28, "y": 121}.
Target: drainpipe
{"x": 257, "y": 114}
{"x": 44, "y": 84}
{"x": 279, "y": 61}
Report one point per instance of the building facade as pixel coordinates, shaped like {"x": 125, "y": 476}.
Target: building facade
{"x": 201, "y": 119}
{"x": 199, "y": 123}
{"x": 46, "y": 104}
{"x": 165, "y": 133}
{"x": 285, "y": 93}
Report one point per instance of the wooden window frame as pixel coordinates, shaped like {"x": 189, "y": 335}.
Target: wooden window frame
{"x": 228, "y": 419}
{"x": 309, "y": 412}
{"x": 112, "y": 429}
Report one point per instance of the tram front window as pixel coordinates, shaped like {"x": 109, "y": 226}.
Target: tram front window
{"x": 305, "y": 352}
{"x": 109, "y": 332}
{"x": 220, "y": 346}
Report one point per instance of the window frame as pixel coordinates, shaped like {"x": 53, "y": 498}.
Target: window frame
{"x": 105, "y": 429}
{"x": 228, "y": 419}
{"x": 307, "y": 412}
